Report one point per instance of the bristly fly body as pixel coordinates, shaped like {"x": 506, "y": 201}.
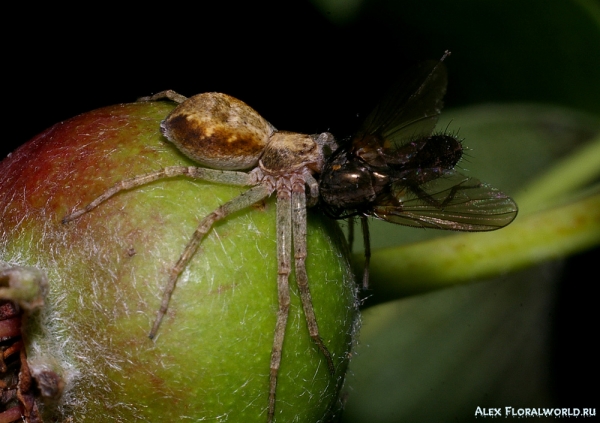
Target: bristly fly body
{"x": 395, "y": 168}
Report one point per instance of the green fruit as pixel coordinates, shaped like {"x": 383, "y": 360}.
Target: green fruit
{"x": 107, "y": 269}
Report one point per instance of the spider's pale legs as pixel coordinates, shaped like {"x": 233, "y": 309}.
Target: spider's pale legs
{"x": 291, "y": 225}
{"x": 300, "y": 253}
{"x": 291, "y": 228}
{"x": 291, "y": 206}
{"x": 244, "y": 200}
{"x": 211, "y": 175}
{"x": 284, "y": 248}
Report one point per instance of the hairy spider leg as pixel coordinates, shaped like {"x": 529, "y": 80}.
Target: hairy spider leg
{"x": 244, "y": 200}
{"x": 291, "y": 229}
{"x": 284, "y": 249}
{"x": 168, "y": 94}
{"x": 211, "y": 175}
{"x": 300, "y": 253}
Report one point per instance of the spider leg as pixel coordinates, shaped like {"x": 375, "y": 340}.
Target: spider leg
{"x": 313, "y": 189}
{"x": 212, "y": 175}
{"x": 244, "y": 200}
{"x": 299, "y": 237}
{"x": 284, "y": 249}
{"x": 167, "y": 94}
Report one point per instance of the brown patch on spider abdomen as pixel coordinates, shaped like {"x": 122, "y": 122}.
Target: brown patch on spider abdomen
{"x": 218, "y": 131}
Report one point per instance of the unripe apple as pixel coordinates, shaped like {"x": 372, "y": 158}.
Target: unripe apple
{"x": 107, "y": 270}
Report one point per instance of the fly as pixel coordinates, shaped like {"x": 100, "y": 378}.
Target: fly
{"x": 395, "y": 168}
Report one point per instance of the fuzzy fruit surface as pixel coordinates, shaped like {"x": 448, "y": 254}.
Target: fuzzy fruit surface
{"x": 107, "y": 269}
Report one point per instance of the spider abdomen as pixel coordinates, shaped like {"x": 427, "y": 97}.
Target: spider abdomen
{"x": 218, "y": 131}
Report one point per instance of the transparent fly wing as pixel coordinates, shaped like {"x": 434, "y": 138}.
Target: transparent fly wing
{"x": 411, "y": 108}
{"x": 452, "y": 202}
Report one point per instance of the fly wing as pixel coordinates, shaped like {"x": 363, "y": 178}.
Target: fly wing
{"x": 453, "y": 202}
{"x": 411, "y": 108}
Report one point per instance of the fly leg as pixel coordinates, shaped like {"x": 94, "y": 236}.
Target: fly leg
{"x": 448, "y": 199}
{"x": 367, "y": 243}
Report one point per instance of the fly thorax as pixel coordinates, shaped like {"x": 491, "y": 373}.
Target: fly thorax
{"x": 351, "y": 183}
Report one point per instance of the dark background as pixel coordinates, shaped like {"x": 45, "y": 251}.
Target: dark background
{"x": 303, "y": 68}
{"x": 310, "y": 70}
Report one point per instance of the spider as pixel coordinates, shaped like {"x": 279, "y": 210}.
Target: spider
{"x": 225, "y": 134}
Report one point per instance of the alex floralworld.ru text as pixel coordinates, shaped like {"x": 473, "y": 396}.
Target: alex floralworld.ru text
{"x": 535, "y": 412}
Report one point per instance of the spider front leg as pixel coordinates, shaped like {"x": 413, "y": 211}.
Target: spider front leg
{"x": 284, "y": 249}
{"x": 291, "y": 224}
{"x": 212, "y": 175}
{"x": 244, "y": 200}
{"x": 299, "y": 237}
{"x": 254, "y": 195}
